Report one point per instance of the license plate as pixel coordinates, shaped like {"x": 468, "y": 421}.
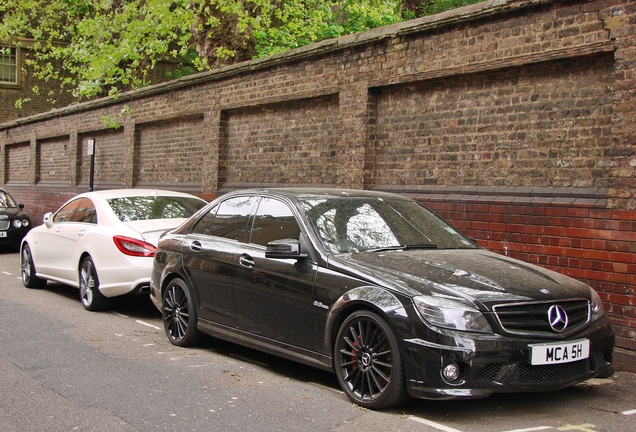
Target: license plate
{"x": 555, "y": 353}
{"x": 3, "y": 233}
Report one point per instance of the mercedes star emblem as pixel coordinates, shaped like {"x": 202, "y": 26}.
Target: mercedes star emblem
{"x": 558, "y": 318}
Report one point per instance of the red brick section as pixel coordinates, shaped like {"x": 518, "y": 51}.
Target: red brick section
{"x": 594, "y": 245}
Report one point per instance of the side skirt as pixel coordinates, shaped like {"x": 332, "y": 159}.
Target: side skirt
{"x": 269, "y": 346}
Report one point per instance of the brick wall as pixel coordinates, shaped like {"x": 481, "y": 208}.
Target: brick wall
{"x": 17, "y": 162}
{"x": 514, "y": 119}
{"x": 109, "y": 171}
{"x": 270, "y": 145}
{"x": 170, "y": 148}
{"x": 544, "y": 125}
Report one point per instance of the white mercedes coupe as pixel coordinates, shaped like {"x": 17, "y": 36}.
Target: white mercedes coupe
{"x": 103, "y": 242}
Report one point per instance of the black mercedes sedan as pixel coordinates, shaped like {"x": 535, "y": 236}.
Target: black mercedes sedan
{"x": 380, "y": 290}
{"x": 14, "y": 222}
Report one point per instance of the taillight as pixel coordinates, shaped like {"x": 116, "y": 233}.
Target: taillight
{"x": 134, "y": 247}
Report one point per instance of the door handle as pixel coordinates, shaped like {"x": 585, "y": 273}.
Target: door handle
{"x": 246, "y": 261}
{"x": 81, "y": 233}
{"x": 196, "y": 246}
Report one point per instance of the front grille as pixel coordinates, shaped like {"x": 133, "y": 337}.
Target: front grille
{"x": 489, "y": 372}
{"x": 531, "y": 319}
{"x": 4, "y": 225}
{"x": 524, "y": 373}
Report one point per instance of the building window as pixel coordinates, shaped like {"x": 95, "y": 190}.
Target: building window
{"x": 8, "y": 65}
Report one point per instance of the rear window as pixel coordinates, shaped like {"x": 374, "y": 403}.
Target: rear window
{"x": 137, "y": 208}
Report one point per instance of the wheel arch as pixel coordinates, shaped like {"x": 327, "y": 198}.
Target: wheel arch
{"x": 82, "y": 257}
{"x": 370, "y": 298}
{"x": 173, "y": 271}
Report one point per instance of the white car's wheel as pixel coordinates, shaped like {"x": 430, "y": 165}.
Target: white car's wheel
{"x": 92, "y": 298}
{"x": 27, "y": 270}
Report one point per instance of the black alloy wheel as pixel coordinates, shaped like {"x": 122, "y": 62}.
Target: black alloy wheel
{"x": 179, "y": 314}
{"x": 27, "y": 270}
{"x": 91, "y": 296}
{"x": 368, "y": 362}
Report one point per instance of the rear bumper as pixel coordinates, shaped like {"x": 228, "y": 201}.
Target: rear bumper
{"x": 494, "y": 364}
{"x": 122, "y": 274}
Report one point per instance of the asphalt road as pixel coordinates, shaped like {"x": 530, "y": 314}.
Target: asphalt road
{"x": 65, "y": 369}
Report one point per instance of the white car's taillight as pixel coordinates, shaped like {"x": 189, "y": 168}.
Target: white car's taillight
{"x": 134, "y": 247}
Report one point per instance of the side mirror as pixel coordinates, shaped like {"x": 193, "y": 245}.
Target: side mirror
{"x": 21, "y": 206}
{"x": 284, "y": 249}
{"x": 48, "y": 219}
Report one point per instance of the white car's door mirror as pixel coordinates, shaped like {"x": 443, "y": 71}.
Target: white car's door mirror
{"x": 48, "y": 219}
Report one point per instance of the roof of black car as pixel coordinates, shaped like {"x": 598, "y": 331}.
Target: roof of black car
{"x": 316, "y": 192}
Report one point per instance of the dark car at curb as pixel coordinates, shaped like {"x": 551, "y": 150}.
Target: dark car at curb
{"x": 379, "y": 290}
{"x": 14, "y": 222}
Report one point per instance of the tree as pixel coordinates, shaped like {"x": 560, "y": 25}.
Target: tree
{"x": 94, "y": 48}
{"x": 98, "y": 47}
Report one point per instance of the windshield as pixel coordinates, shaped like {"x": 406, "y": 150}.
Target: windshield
{"x": 6, "y": 201}
{"x": 136, "y": 208}
{"x": 358, "y": 224}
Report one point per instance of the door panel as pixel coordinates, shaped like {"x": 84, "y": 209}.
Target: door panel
{"x": 274, "y": 296}
{"x": 210, "y": 262}
{"x": 56, "y": 248}
{"x": 209, "y": 257}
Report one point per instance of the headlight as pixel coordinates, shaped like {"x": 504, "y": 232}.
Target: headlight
{"x": 20, "y": 223}
{"x": 451, "y": 314}
{"x": 596, "y": 305}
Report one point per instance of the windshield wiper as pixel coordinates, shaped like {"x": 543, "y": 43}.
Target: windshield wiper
{"x": 403, "y": 247}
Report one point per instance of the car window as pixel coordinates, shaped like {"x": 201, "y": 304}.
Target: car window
{"x": 65, "y": 213}
{"x": 149, "y": 207}
{"x": 227, "y": 219}
{"x": 85, "y": 212}
{"x": 204, "y": 224}
{"x": 79, "y": 210}
{"x": 273, "y": 221}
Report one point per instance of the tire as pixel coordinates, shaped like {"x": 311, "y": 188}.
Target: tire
{"x": 180, "y": 314}
{"x": 90, "y": 295}
{"x": 368, "y": 362}
{"x": 27, "y": 270}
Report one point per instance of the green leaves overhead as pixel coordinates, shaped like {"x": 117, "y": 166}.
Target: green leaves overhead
{"x": 97, "y": 47}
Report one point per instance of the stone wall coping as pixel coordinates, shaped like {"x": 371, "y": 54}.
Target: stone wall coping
{"x": 493, "y": 191}
{"x": 595, "y": 197}
{"x": 451, "y": 17}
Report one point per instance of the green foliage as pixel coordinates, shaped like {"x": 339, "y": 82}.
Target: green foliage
{"x": 432, "y": 7}
{"x": 299, "y": 23}
{"x": 94, "y": 48}
{"x": 19, "y": 103}
{"x": 115, "y": 122}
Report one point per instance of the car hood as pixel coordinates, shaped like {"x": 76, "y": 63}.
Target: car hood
{"x": 476, "y": 275}
{"x": 9, "y": 211}
{"x": 152, "y": 229}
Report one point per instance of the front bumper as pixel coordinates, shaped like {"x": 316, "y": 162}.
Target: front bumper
{"x": 496, "y": 364}
{"x": 13, "y": 236}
